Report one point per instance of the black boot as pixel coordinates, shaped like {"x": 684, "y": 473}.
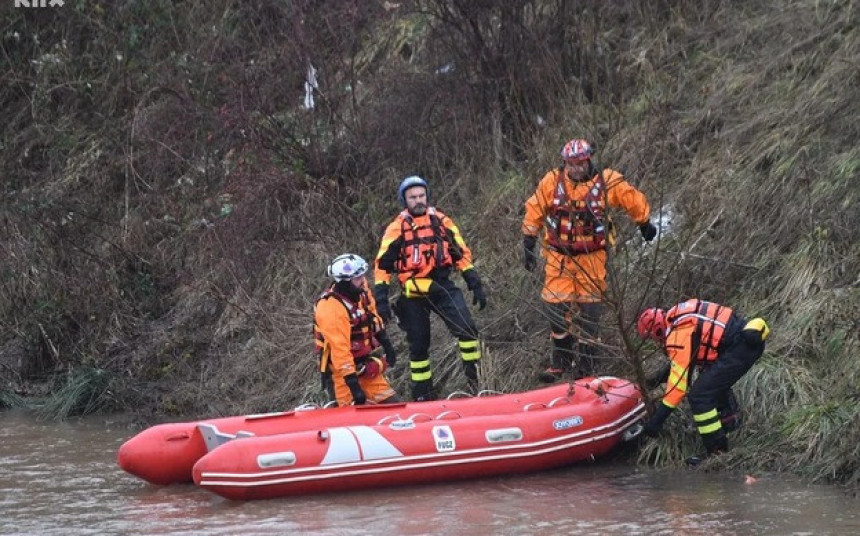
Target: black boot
{"x": 470, "y": 369}
{"x": 586, "y": 328}
{"x": 586, "y": 353}
{"x": 423, "y": 391}
{"x": 716, "y": 442}
{"x": 473, "y": 386}
{"x": 550, "y": 375}
{"x": 561, "y": 360}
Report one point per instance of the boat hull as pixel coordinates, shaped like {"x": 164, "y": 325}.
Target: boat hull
{"x": 518, "y": 438}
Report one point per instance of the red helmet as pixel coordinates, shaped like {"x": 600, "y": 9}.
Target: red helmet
{"x": 577, "y": 150}
{"x": 652, "y": 324}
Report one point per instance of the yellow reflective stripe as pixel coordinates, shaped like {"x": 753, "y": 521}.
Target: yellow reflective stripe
{"x": 456, "y": 232}
{"x": 677, "y": 378}
{"x": 383, "y": 247}
{"x": 708, "y": 422}
{"x": 419, "y": 364}
{"x": 710, "y": 428}
{"x": 711, "y": 414}
{"x": 758, "y": 324}
{"x": 325, "y": 355}
{"x": 421, "y": 376}
{"x": 417, "y": 287}
{"x": 677, "y": 383}
{"x": 470, "y": 351}
{"x": 420, "y": 370}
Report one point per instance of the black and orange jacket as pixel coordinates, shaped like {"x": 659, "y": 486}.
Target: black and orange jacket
{"x": 573, "y": 214}
{"x": 344, "y": 330}
{"x": 696, "y": 331}
{"x": 419, "y": 249}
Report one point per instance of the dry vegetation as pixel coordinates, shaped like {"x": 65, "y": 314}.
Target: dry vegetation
{"x": 169, "y": 205}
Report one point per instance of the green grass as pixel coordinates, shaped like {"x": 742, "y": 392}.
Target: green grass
{"x": 81, "y": 392}
{"x": 741, "y": 117}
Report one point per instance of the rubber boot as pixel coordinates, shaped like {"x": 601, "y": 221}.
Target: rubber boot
{"x": 470, "y": 369}
{"x": 716, "y": 443}
{"x": 327, "y": 385}
{"x": 588, "y": 323}
{"x": 473, "y": 386}
{"x": 561, "y": 360}
{"x": 423, "y": 391}
{"x": 585, "y": 352}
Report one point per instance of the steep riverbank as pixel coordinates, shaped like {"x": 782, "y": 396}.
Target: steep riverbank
{"x": 174, "y": 181}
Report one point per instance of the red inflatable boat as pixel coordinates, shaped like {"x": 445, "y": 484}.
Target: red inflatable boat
{"x": 166, "y": 453}
{"x": 456, "y": 439}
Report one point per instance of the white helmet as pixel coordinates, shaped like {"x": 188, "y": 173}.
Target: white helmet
{"x": 345, "y": 267}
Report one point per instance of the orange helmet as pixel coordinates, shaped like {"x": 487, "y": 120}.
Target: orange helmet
{"x": 577, "y": 150}
{"x": 652, "y": 324}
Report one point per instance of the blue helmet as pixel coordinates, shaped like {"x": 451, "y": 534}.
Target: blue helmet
{"x": 409, "y": 182}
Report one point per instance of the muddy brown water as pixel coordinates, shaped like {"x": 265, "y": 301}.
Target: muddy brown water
{"x": 62, "y": 478}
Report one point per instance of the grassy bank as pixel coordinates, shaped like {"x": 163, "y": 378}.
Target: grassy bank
{"x": 170, "y": 200}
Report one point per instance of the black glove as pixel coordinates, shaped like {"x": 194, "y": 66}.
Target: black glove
{"x": 529, "y": 257}
{"x": 380, "y": 294}
{"x": 648, "y": 231}
{"x": 473, "y": 282}
{"x": 358, "y": 396}
{"x": 655, "y": 423}
{"x": 390, "y": 353}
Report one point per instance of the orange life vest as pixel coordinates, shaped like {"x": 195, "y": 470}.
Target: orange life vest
{"x": 577, "y": 226}
{"x": 710, "y": 320}
{"x": 363, "y": 327}
{"x": 426, "y": 247}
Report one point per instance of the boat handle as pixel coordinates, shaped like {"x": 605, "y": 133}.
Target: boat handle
{"x": 388, "y": 418}
{"x": 416, "y": 415}
{"x": 446, "y": 413}
{"x": 553, "y": 402}
{"x": 533, "y": 405}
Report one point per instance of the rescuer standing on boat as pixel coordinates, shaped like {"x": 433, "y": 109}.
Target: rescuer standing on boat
{"x": 423, "y": 246}
{"x": 349, "y": 335}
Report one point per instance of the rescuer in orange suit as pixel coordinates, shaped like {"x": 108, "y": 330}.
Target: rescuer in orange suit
{"x": 423, "y": 247}
{"x": 570, "y": 205}
{"x": 351, "y": 343}
{"x": 717, "y": 341}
